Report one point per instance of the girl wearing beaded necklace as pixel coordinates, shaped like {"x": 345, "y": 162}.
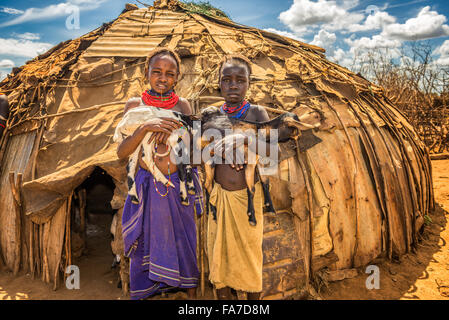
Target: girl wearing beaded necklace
{"x": 168, "y": 260}
{"x": 230, "y": 235}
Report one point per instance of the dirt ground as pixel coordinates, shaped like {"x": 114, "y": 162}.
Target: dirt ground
{"x": 420, "y": 275}
{"x": 423, "y": 275}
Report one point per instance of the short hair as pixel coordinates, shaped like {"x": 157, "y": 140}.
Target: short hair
{"x": 237, "y": 59}
{"x": 161, "y": 52}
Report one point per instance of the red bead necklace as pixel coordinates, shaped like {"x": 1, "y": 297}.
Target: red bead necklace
{"x": 164, "y": 101}
{"x": 229, "y": 109}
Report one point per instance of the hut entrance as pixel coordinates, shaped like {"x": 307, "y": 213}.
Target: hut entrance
{"x": 91, "y": 218}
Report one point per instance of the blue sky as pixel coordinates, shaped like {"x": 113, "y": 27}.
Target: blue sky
{"x": 345, "y": 28}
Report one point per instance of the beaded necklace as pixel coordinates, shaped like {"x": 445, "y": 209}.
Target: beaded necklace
{"x": 241, "y": 109}
{"x": 169, "y": 175}
{"x": 165, "y": 101}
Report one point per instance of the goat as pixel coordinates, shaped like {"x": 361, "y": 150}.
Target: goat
{"x": 213, "y": 118}
{"x": 126, "y": 127}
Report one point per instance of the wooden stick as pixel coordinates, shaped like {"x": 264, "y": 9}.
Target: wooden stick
{"x": 15, "y": 189}
{"x": 37, "y": 249}
{"x": 99, "y": 106}
{"x": 46, "y": 265}
{"x": 69, "y": 238}
{"x": 66, "y": 244}
{"x": 41, "y": 250}
{"x": 308, "y": 221}
{"x": 57, "y": 267}
{"x": 12, "y": 183}
{"x": 31, "y": 249}
{"x": 82, "y": 201}
{"x": 439, "y": 156}
{"x": 203, "y": 271}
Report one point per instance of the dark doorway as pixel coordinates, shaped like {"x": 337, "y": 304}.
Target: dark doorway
{"x": 91, "y": 218}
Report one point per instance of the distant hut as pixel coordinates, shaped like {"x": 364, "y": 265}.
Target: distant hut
{"x": 361, "y": 193}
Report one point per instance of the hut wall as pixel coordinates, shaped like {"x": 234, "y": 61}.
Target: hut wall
{"x": 17, "y": 153}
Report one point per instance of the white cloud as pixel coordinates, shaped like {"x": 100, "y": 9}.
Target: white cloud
{"x": 364, "y": 49}
{"x": 342, "y": 58}
{"x": 442, "y": 62}
{"x": 54, "y": 11}
{"x": 376, "y": 21}
{"x": 11, "y": 10}
{"x": 6, "y": 63}
{"x": 375, "y": 42}
{"x": 5, "y": 67}
{"x": 22, "y": 47}
{"x": 28, "y": 36}
{"x": 2, "y": 75}
{"x": 285, "y": 34}
{"x": 428, "y": 24}
{"x": 324, "y": 39}
{"x": 443, "y": 49}
{"x": 443, "y": 54}
{"x": 333, "y": 15}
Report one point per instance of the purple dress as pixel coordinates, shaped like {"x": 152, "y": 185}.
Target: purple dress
{"x": 159, "y": 235}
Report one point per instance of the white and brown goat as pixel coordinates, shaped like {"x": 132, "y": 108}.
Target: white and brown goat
{"x": 135, "y": 117}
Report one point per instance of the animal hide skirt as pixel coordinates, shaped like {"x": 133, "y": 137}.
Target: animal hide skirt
{"x": 234, "y": 247}
{"x": 159, "y": 236}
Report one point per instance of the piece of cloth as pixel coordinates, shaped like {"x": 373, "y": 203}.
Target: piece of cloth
{"x": 234, "y": 247}
{"x": 159, "y": 237}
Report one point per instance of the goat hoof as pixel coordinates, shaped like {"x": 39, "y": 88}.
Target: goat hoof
{"x": 185, "y": 202}
{"x": 269, "y": 209}
{"x": 253, "y": 223}
{"x": 214, "y": 211}
{"x": 135, "y": 201}
{"x": 191, "y": 191}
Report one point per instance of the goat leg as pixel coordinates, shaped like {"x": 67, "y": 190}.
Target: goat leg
{"x": 250, "y": 188}
{"x": 131, "y": 169}
{"x": 182, "y": 184}
{"x": 213, "y": 209}
{"x": 182, "y": 174}
{"x": 268, "y": 203}
{"x": 251, "y": 212}
{"x": 209, "y": 170}
{"x": 189, "y": 179}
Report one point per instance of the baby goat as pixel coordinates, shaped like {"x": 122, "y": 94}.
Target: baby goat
{"x": 126, "y": 127}
{"x": 212, "y": 118}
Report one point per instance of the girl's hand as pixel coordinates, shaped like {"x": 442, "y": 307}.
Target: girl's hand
{"x": 164, "y": 125}
{"x": 159, "y": 137}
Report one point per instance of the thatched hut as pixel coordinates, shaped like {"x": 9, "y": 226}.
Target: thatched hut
{"x": 361, "y": 193}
